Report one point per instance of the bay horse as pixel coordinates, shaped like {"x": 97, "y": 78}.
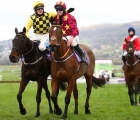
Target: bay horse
{"x": 35, "y": 67}
{"x": 132, "y": 73}
{"x": 66, "y": 68}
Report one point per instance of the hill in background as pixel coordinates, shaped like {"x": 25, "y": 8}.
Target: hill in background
{"x": 104, "y": 39}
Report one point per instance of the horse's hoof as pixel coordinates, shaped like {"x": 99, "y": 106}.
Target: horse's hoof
{"x": 23, "y": 111}
{"x": 51, "y": 111}
{"x": 64, "y": 117}
{"x": 87, "y": 111}
{"x": 37, "y": 115}
{"x": 58, "y": 111}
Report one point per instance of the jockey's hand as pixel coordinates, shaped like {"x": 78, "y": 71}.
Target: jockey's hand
{"x": 70, "y": 40}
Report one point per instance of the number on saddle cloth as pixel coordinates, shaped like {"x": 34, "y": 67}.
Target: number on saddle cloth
{"x": 78, "y": 56}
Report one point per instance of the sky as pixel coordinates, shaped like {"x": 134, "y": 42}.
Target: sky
{"x": 15, "y": 13}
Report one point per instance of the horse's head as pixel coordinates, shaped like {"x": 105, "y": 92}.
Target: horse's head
{"x": 18, "y": 45}
{"x": 55, "y": 36}
{"x": 130, "y": 48}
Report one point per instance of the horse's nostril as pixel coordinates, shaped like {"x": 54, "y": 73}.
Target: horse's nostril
{"x": 12, "y": 59}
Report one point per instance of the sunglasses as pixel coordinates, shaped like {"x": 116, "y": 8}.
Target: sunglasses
{"x": 39, "y": 8}
{"x": 59, "y": 9}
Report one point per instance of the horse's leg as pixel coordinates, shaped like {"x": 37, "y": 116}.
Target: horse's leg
{"x": 75, "y": 94}
{"x": 88, "y": 90}
{"x": 130, "y": 90}
{"x": 23, "y": 84}
{"x": 139, "y": 99}
{"x": 68, "y": 96}
{"x": 47, "y": 92}
{"x": 55, "y": 91}
{"x": 130, "y": 93}
{"x": 38, "y": 96}
{"x": 136, "y": 92}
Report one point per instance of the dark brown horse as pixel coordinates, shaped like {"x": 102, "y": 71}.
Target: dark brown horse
{"x": 132, "y": 73}
{"x": 35, "y": 67}
{"x": 66, "y": 67}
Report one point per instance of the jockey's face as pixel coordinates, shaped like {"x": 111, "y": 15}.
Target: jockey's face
{"x": 131, "y": 33}
{"x": 59, "y": 12}
{"x": 40, "y": 11}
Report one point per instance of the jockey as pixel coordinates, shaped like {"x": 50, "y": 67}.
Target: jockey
{"x": 136, "y": 41}
{"x": 69, "y": 27}
{"x": 40, "y": 21}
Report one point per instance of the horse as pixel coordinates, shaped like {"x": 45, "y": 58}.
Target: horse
{"x": 132, "y": 73}
{"x": 65, "y": 67}
{"x": 35, "y": 67}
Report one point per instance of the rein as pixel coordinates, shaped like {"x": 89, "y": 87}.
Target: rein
{"x": 33, "y": 62}
{"x": 28, "y": 52}
{"x": 30, "y": 49}
{"x": 64, "y": 59}
{"x": 132, "y": 64}
{"x": 24, "y": 46}
{"x": 65, "y": 54}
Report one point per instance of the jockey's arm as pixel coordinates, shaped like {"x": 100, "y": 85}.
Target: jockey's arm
{"x": 28, "y": 26}
{"x": 52, "y": 15}
{"x": 73, "y": 26}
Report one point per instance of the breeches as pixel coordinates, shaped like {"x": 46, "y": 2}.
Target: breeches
{"x": 75, "y": 41}
{"x": 43, "y": 38}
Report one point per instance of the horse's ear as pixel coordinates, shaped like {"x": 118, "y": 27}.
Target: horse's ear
{"x": 16, "y": 30}
{"x": 24, "y": 30}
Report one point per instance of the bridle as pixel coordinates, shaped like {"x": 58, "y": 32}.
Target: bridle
{"x": 24, "y": 46}
{"x": 58, "y": 45}
{"x": 131, "y": 55}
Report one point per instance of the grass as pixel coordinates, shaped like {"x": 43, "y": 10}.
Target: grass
{"x": 108, "y": 103}
{"x": 10, "y": 72}
{"x": 14, "y": 72}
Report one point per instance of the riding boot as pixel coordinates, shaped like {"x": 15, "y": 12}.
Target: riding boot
{"x": 46, "y": 51}
{"x": 80, "y": 52}
{"x": 124, "y": 61}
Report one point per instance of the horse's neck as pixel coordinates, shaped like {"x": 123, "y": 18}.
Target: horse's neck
{"x": 132, "y": 59}
{"x": 28, "y": 46}
{"x": 63, "y": 48}
{"x": 31, "y": 52}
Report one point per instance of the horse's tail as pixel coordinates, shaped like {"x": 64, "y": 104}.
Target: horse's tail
{"x": 63, "y": 86}
{"x": 98, "y": 82}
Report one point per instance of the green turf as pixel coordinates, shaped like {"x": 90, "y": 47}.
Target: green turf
{"x": 10, "y": 72}
{"x": 108, "y": 103}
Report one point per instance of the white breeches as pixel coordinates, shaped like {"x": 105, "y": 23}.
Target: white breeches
{"x": 43, "y": 38}
{"x": 75, "y": 41}
{"x": 136, "y": 53}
